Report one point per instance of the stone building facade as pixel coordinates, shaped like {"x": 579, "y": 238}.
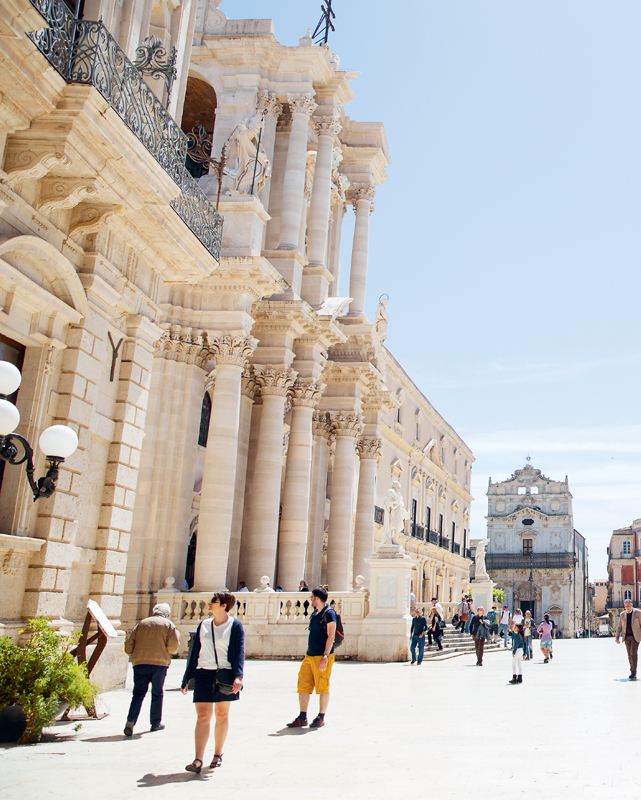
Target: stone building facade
{"x": 237, "y": 418}
{"x": 534, "y": 552}
{"x": 624, "y": 568}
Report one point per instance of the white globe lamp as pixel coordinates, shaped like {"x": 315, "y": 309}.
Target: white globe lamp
{"x": 58, "y": 441}
{"x": 10, "y": 378}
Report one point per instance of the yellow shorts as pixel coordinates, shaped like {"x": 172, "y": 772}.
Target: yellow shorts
{"x": 310, "y": 677}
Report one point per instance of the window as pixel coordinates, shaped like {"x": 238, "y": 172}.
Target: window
{"x": 453, "y": 533}
{"x": 534, "y": 490}
{"x": 440, "y": 524}
{"x": 626, "y": 548}
{"x": 428, "y": 518}
{"x": 627, "y": 595}
{"x": 14, "y": 353}
{"x": 414, "y": 510}
{"x": 521, "y": 489}
{"x": 205, "y": 415}
{"x": 527, "y": 522}
{"x": 527, "y": 547}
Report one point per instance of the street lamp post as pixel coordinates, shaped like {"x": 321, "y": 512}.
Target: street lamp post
{"x": 56, "y": 442}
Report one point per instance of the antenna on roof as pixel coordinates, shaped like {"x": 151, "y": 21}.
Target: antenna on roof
{"x": 321, "y": 32}
{"x": 528, "y": 458}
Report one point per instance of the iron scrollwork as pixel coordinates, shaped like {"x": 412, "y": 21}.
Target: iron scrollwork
{"x": 152, "y": 59}
{"x": 199, "y": 144}
{"x": 9, "y": 452}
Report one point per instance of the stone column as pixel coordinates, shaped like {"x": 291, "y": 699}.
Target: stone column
{"x": 334, "y": 249}
{"x": 364, "y": 195}
{"x": 262, "y": 539}
{"x": 320, "y": 458}
{"x": 302, "y": 107}
{"x": 266, "y": 101}
{"x": 346, "y": 428}
{"x": 219, "y": 474}
{"x": 317, "y": 227}
{"x": 369, "y": 451}
{"x": 294, "y": 522}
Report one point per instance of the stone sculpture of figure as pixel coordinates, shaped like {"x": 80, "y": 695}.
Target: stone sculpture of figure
{"x": 481, "y": 571}
{"x": 241, "y": 159}
{"x": 395, "y": 514}
{"x": 381, "y": 321}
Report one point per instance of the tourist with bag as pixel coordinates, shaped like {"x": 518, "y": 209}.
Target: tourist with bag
{"x": 216, "y": 664}
{"x": 480, "y": 632}
{"x": 435, "y": 627}
{"x": 528, "y": 628}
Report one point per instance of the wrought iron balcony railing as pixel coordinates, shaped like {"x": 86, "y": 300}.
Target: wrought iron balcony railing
{"x": 84, "y": 52}
{"x": 417, "y": 531}
{"x": 536, "y": 561}
{"x": 614, "y": 604}
{"x": 456, "y": 548}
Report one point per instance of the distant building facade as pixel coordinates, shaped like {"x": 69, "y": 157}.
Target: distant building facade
{"x": 624, "y": 566}
{"x": 600, "y": 596}
{"x": 534, "y": 552}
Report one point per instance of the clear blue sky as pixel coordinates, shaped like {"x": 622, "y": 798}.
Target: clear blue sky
{"x": 508, "y": 235}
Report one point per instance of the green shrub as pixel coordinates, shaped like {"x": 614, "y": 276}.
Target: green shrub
{"x": 41, "y": 674}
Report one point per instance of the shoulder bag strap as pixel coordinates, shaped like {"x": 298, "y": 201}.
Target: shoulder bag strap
{"x": 213, "y": 638}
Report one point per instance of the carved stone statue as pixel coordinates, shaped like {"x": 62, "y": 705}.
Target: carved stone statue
{"x": 481, "y": 571}
{"x": 395, "y": 514}
{"x": 381, "y": 320}
{"x": 241, "y": 159}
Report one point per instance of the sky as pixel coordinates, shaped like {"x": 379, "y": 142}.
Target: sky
{"x": 507, "y": 236}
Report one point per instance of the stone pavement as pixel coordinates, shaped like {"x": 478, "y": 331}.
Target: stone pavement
{"x": 445, "y": 729}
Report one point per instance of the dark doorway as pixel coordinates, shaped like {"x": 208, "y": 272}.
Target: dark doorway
{"x": 527, "y": 605}
{"x": 14, "y": 353}
{"x": 190, "y": 567}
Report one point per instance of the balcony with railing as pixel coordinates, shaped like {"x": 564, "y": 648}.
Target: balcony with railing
{"x": 535, "y": 561}
{"x": 84, "y": 52}
{"x": 417, "y": 531}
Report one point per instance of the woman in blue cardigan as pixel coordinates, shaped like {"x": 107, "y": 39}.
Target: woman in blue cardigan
{"x": 216, "y": 663}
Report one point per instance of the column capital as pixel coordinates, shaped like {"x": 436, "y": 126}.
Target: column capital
{"x": 183, "y": 345}
{"x": 363, "y": 191}
{"x": 248, "y": 386}
{"x": 232, "y": 350}
{"x": 321, "y": 424}
{"x": 306, "y": 392}
{"x": 369, "y": 448}
{"x": 327, "y": 126}
{"x": 347, "y": 424}
{"x": 267, "y": 101}
{"x": 301, "y": 104}
{"x": 274, "y": 380}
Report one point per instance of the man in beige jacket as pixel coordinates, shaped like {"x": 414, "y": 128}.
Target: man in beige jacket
{"x": 630, "y": 627}
{"x": 150, "y": 646}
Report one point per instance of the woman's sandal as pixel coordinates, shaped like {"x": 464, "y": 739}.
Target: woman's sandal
{"x": 217, "y": 761}
{"x": 195, "y": 766}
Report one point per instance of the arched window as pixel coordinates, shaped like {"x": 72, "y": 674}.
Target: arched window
{"x": 205, "y": 415}
{"x": 627, "y": 595}
{"x": 199, "y": 109}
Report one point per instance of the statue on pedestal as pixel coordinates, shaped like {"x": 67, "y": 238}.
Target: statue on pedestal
{"x": 381, "y": 320}
{"x": 246, "y": 156}
{"x": 395, "y": 514}
{"x": 481, "y": 571}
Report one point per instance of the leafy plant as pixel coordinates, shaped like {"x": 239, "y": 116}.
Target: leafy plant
{"x": 498, "y": 595}
{"x": 41, "y": 674}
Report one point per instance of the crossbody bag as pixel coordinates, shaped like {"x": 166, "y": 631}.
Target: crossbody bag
{"x": 224, "y": 680}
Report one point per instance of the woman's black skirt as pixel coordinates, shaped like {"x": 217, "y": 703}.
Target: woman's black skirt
{"x": 204, "y": 691}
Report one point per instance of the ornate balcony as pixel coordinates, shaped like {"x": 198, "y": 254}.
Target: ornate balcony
{"x": 536, "y": 561}
{"x": 85, "y": 52}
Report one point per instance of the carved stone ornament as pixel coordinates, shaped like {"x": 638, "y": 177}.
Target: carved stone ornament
{"x": 306, "y": 392}
{"x": 12, "y": 564}
{"x": 62, "y": 193}
{"x": 266, "y": 101}
{"x": 51, "y": 359}
{"x": 327, "y": 126}
{"x": 90, "y": 219}
{"x": 182, "y": 345}
{"x": 29, "y": 166}
{"x": 321, "y": 424}
{"x": 347, "y": 424}
{"x": 248, "y": 386}
{"x": 274, "y": 380}
{"x": 369, "y": 448}
{"x": 364, "y": 191}
{"x": 232, "y": 350}
{"x": 301, "y": 104}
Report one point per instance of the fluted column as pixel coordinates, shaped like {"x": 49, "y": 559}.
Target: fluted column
{"x": 274, "y": 383}
{"x": 302, "y": 107}
{"x": 219, "y": 474}
{"x": 346, "y": 428}
{"x": 369, "y": 451}
{"x": 334, "y": 249}
{"x": 322, "y": 429}
{"x": 294, "y": 522}
{"x": 317, "y": 227}
{"x": 364, "y": 195}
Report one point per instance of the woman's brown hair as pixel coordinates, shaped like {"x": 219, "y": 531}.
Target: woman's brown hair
{"x": 225, "y": 599}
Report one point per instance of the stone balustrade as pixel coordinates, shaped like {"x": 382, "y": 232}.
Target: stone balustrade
{"x": 449, "y": 609}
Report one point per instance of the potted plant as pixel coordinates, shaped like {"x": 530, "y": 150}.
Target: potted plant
{"x": 35, "y": 678}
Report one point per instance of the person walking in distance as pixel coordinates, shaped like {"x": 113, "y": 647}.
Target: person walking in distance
{"x": 419, "y": 627}
{"x": 480, "y": 631}
{"x": 629, "y": 627}
{"x": 504, "y": 624}
{"x": 528, "y": 629}
{"x": 546, "y": 631}
{"x": 216, "y": 663}
{"x": 518, "y": 648}
{"x": 316, "y": 669}
{"x": 464, "y": 614}
{"x": 150, "y": 646}
{"x": 435, "y": 629}
{"x": 492, "y": 617}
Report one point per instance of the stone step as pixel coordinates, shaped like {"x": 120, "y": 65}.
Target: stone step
{"x": 452, "y": 650}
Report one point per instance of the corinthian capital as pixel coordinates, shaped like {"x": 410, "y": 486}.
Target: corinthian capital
{"x": 266, "y": 101}
{"x": 248, "y": 386}
{"x": 369, "y": 448}
{"x": 182, "y": 345}
{"x": 321, "y": 424}
{"x": 347, "y": 424}
{"x": 276, "y": 380}
{"x": 327, "y": 126}
{"x": 364, "y": 191}
{"x": 301, "y": 104}
{"x": 234, "y": 350}
{"x": 306, "y": 392}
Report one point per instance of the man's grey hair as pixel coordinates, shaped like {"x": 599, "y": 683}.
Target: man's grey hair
{"x": 161, "y": 610}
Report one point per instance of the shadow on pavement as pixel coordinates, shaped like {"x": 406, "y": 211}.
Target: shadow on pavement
{"x": 150, "y": 779}
{"x": 293, "y": 731}
{"x": 119, "y": 737}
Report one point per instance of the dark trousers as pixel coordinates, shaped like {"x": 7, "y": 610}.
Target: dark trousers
{"x": 145, "y": 674}
{"x": 437, "y": 634}
{"x": 420, "y": 641}
{"x": 632, "y": 646}
{"x": 479, "y": 644}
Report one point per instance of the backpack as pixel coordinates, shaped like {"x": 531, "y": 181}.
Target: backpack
{"x": 339, "y": 636}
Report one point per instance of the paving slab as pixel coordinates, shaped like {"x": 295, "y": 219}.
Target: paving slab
{"x": 443, "y": 729}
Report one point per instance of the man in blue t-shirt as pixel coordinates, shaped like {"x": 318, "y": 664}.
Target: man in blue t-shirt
{"x": 317, "y": 665}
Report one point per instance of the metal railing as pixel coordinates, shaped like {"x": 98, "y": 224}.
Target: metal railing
{"x": 417, "y": 531}
{"x": 614, "y": 604}
{"x": 536, "y": 561}
{"x": 456, "y": 548}
{"x": 84, "y": 52}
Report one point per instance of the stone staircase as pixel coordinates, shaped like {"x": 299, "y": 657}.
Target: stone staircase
{"x": 455, "y": 644}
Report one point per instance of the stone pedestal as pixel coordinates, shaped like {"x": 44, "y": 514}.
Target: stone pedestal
{"x": 482, "y": 589}
{"x": 385, "y": 632}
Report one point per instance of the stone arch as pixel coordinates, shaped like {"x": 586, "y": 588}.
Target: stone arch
{"x": 45, "y": 266}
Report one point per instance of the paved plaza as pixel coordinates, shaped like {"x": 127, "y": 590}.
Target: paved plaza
{"x": 446, "y": 729}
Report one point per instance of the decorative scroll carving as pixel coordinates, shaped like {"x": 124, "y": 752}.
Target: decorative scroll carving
{"x": 274, "y": 380}
{"x": 301, "y": 104}
{"x": 89, "y": 219}
{"x": 322, "y": 424}
{"x": 347, "y": 424}
{"x": 249, "y": 387}
{"x": 327, "y": 126}
{"x": 306, "y": 392}
{"x": 61, "y": 193}
{"x": 369, "y": 448}
{"x": 51, "y": 359}
{"x": 12, "y": 564}
{"x": 234, "y": 350}
{"x": 184, "y": 346}
{"x": 29, "y": 166}
{"x": 152, "y": 59}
